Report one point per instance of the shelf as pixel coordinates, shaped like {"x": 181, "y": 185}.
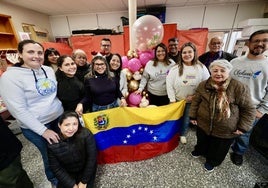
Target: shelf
{"x": 8, "y": 38}
{"x": 5, "y": 33}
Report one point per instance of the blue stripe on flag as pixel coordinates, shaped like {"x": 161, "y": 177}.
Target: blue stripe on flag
{"x": 136, "y": 134}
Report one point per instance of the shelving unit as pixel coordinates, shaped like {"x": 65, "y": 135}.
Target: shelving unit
{"x": 8, "y": 37}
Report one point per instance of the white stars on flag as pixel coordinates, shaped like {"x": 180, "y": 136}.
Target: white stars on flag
{"x": 140, "y": 131}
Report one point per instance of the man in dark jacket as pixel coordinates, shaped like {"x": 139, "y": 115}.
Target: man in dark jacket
{"x": 215, "y": 52}
{"x": 12, "y": 175}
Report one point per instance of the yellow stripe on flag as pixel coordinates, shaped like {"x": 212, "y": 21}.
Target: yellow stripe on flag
{"x": 127, "y": 116}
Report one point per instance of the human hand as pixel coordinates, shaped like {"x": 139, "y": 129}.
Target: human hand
{"x": 79, "y": 109}
{"x": 237, "y": 132}
{"x": 51, "y": 136}
{"x": 123, "y": 102}
{"x": 194, "y": 122}
{"x": 137, "y": 92}
{"x": 258, "y": 114}
{"x": 82, "y": 185}
{"x": 189, "y": 98}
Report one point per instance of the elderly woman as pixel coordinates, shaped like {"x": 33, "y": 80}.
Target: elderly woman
{"x": 222, "y": 110}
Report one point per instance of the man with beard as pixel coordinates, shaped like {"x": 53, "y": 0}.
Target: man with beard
{"x": 252, "y": 70}
{"x": 173, "y": 45}
{"x": 106, "y": 46}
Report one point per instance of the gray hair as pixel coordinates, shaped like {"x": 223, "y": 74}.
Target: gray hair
{"x": 222, "y": 63}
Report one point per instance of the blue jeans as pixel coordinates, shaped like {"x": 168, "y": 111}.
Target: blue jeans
{"x": 41, "y": 144}
{"x": 96, "y": 107}
{"x": 241, "y": 143}
{"x": 185, "y": 119}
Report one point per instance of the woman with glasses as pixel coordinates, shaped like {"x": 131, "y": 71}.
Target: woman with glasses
{"x": 101, "y": 88}
{"x": 29, "y": 91}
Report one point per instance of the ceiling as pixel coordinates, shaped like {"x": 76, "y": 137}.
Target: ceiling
{"x": 63, "y": 7}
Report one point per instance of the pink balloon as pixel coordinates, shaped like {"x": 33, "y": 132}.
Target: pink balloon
{"x": 147, "y": 31}
{"x": 144, "y": 58}
{"x": 134, "y": 65}
{"x": 134, "y": 99}
{"x": 124, "y": 62}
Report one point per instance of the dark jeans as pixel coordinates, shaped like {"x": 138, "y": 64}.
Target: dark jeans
{"x": 41, "y": 144}
{"x": 158, "y": 100}
{"x": 214, "y": 149}
{"x": 14, "y": 176}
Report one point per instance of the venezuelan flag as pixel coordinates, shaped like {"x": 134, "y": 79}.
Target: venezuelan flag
{"x": 131, "y": 134}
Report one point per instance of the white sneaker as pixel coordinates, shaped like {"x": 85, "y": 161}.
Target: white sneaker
{"x": 183, "y": 140}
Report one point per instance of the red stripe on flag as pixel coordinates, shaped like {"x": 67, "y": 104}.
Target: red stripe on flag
{"x": 138, "y": 152}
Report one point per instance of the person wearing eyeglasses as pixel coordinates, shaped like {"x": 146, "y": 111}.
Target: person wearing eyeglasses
{"x": 102, "y": 89}
{"x": 106, "y": 46}
{"x": 252, "y": 70}
{"x": 29, "y": 90}
{"x": 215, "y": 52}
{"x": 173, "y": 46}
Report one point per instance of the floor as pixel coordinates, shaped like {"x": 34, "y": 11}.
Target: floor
{"x": 175, "y": 169}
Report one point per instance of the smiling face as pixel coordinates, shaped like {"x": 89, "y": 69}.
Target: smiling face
{"x": 173, "y": 47}
{"x": 115, "y": 63}
{"x": 68, "y": 67}
{"x": 100, "y": 66}
{"x": 32, "y": 56}
{"x": 52, "y": 58}
{"x": 160, "y": 53}
{"x": 258, "y": 44}
{"x": 219, "y": 74}
{"x": 187, "y": 55}
{"x": 69, "y": 126}
{"x": 215, "y": 44}
{"x": 80, "y": 59}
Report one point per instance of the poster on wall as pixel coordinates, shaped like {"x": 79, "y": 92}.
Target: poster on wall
{"x": 24, "y": 35}
{"x": 240, "y": 47}
{"x": 64, "y": 40}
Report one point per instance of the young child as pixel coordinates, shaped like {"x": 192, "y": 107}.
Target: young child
{"x": 73, "y": 159}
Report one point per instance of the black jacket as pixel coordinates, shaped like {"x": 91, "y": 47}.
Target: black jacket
{"x": 70, "y": 91}
{"x": 10, "y": 145}
{"x": 206, "y": 58}
{"x": 74, "y": 159}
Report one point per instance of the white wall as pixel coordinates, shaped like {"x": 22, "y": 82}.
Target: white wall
{"x": 215, "y": 17}
{"x": 64, "y": 25}
{"x": 22, "y": 15}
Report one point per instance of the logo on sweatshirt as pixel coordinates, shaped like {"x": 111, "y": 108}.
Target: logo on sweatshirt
{"x": 247, "y": 74}
{"x": 101, "y": 121}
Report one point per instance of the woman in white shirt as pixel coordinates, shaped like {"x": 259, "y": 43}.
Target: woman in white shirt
{"x": 154, "y": 76}
{"x": 183, "y": 79}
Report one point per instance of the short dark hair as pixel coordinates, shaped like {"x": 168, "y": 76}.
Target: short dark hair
{"x": 263, "y": 31}
{"x": 174, "y": 39}
{"x": 106, "y": 39}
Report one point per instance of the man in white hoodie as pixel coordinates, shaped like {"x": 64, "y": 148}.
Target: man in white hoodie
{"x": 252, "y": 70}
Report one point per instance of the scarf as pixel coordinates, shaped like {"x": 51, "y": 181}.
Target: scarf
{"x": 222, "y": 99}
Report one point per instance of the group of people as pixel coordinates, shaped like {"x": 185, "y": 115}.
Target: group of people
{"x": 223, "y": 99}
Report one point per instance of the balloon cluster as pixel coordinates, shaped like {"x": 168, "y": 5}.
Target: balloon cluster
{"x": 147, "y": 33}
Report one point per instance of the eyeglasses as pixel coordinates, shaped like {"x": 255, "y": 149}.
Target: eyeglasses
{"x": 216, "y": 43}
{"x": 264, "y": 41}
{"x": 173, "y": 45}
{"x": 99, "y": 64}
{"x": 106, "y": 45}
